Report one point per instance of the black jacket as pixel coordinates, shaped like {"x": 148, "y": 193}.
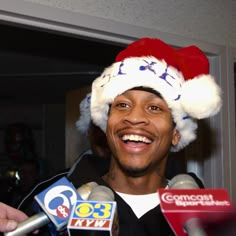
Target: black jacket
{"x": 88, "y": 168}
{"x": 150, "y": 224}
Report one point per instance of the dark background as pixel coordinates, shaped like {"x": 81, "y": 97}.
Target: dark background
{"x": 39, "y": 66}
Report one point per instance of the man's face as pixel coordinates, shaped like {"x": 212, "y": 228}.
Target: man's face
{"x": 140, "y": 131}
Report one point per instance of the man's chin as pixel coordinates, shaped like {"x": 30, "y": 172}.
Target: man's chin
{"x": 134, "y": 171}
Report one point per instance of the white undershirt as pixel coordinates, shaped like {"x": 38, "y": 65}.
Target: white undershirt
{"x": 141, "y": 204}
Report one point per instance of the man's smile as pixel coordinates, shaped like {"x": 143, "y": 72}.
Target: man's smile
{"x": 135, "y": 138}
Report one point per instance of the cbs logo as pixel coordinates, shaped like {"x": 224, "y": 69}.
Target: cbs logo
{"x": 93, "y": 210}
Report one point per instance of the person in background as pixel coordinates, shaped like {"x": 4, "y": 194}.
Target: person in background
{"x": 21, "y": 156}
{"x": 148, "y": 103}
{"x": 98, "y": 147}
{"x": 20, "y": 143}
{"x": 29, "y": 176}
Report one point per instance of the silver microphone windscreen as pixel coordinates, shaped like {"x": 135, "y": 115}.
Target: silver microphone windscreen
{"x": 183, "y": 181}
{"x": 101, "y": 193}
{"x": 85, "y": 189}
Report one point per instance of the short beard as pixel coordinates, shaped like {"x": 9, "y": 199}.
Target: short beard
{"x": 133, "y": 172}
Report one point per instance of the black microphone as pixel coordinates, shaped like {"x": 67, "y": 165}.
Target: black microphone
{"x": 56, "y": 202}
{"x": 95, "y": 217}
{"x": 185, "y": 205}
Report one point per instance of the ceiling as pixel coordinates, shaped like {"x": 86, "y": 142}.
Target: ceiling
{"x": 37, "y": 66}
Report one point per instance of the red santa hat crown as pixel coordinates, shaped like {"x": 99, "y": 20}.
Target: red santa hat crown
{"x": 181, "y": 76}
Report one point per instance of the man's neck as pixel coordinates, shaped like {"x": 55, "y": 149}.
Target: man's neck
{"x": 120, "y": 182}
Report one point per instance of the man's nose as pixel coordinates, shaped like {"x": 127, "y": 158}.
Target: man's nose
{"x": 136, "y": 115}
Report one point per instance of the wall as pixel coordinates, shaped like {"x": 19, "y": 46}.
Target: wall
{"x": 211, "y": 21}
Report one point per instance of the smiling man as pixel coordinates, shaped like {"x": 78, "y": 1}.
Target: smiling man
{"x": 148, "y": 103}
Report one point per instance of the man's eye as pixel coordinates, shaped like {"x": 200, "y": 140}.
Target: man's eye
{"x": 122, "y": 105}
{"x": 155, "y": 108}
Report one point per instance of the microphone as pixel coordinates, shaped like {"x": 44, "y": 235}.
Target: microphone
{"x": 222, "y": 224}
{"x": 56, "y": 201}
{"x": 183, "y": 181}
{"x": 95, "y": 217}
{"x": 185, "y": 206}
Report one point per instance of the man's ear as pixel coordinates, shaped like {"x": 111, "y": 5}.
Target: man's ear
{"x": 176, "y": 137}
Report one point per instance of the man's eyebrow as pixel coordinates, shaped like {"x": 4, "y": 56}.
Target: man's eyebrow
{"x": 148, "y": 89}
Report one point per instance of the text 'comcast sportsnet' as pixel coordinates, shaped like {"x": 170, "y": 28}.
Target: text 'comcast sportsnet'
{"x": 192, "y": 200}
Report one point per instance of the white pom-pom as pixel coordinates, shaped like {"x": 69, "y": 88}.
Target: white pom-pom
{"x": 201, "y": 97}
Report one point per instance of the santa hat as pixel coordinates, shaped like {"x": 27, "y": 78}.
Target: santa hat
{"x": 181, "y": 76}
{"x": 82, "y": 124}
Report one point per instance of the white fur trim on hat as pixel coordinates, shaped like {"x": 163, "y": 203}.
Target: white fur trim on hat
{"x": 82, "y": 124}
{"x": 200, "y": 97}
{"x": 156, "y": 74}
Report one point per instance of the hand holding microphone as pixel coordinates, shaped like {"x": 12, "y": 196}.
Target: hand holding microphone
{"x": 9, "y": 217}
{"x": 57, "y": 202}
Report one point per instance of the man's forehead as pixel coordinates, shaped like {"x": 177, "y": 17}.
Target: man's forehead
{"x": 146, "y": 89}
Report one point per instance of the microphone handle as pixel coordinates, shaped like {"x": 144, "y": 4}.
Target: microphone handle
{"x": 193, "y": 228}
{"x": 29, "y": 225}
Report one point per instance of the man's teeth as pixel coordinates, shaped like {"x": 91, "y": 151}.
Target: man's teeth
{"x": 135, "y": 138}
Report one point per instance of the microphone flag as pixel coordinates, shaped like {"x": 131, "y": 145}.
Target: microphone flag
{"x": 57, "y": 201}
{"x": 94, "y": 218}
{"x": 179, "y": 206}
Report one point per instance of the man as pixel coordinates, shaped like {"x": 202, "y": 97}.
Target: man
{"x": 147, "y": 103}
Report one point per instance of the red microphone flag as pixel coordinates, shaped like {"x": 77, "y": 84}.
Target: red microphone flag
{"x": 179, "y": 206}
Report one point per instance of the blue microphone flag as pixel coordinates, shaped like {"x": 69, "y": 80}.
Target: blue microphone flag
{"x": 57, "y": 201}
